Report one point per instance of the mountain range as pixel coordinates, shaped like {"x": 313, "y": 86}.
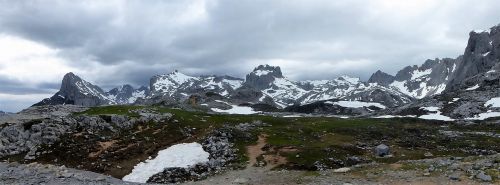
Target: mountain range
{"x": 431, "y": 84}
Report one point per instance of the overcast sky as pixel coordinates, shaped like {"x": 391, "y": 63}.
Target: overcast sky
{"x": 114, "y": 42}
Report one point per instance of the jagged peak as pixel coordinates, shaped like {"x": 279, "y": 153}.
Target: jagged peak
{"x": 347, "y": 78}
{"x": 381, "y": 77}
{"x": 480, "y": 31}
{"x": 70, "y": 76}
{"x": 266, "y": 69}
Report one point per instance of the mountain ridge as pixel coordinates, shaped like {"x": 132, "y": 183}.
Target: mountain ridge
{"x": 267, "y": 85}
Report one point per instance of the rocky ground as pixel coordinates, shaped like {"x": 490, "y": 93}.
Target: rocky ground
{"x": 15, "y": 173}
{"x": 458, "y": 170}
{"x": 253, "y": 149}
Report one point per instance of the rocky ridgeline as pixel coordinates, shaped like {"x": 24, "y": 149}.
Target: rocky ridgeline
{"x": 266, "y": 85}
{"x": 25, "y": 134}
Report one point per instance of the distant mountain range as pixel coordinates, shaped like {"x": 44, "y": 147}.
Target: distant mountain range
{"x": 266, "y": 85}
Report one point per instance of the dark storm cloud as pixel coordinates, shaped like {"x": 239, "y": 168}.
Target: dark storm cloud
{"x": 20, "y": 88}
{"x": 231, "y": 37}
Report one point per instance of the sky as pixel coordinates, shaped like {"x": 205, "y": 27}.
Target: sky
{"x": 114, "y": 42}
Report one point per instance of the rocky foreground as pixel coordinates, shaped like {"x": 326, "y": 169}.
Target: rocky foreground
{"x": 100, "y": 145}
{"x": 15, "y": 173}
{"x": 458, "y": 170}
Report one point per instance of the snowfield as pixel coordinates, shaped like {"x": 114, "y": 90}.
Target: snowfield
{"x": 395, "y": 116}
{"x": 493, "y": 102}
{"x": 236, "y": 110}
{"x": 472, "y": 88}
{"x": 434, "y": 116}
{"x": 180, "y": 155}
{"x": 485, "y": 115}
{"x": 356, "y": 104}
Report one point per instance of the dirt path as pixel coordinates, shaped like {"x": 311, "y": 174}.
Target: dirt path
{"x": 255, "y": 151}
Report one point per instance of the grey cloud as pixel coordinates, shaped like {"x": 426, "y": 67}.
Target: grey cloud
{"x": 17, "y": 87}
{"x": 235, "y": 34}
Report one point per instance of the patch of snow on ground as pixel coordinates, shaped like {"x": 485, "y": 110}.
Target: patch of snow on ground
{"x": 292, "y": 116}
{"x": 356, "y": 104}
{"x": 433, "y": 109}
{"x": 454, "y": 100}
{"x": 236, "y": 110}
{"x": 395, "y": 116}
{"x": 472, "y": 88}
{"x": 180, "y": 155}
{"x": 493, "y": 102}
{"x": 485, "y": 115}
{"x": 434, "y": 116}
{"x": 491, "y": 71}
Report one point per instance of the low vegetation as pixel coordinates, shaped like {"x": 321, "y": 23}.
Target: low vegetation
{"x": 300, "y": 143}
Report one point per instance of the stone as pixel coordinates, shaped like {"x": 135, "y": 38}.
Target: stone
{"x": 428, "y": 154}
{"x": 482, "y": 176}
{"x": 382, "y": 150}
{"x": 455, "y": 176}
{"x": 241, "y": 181}
{"x": 342, "y": 170}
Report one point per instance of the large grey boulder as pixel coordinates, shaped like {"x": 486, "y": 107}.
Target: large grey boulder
{"x": 482, "y": 176}
{"x": 382, "y": 150}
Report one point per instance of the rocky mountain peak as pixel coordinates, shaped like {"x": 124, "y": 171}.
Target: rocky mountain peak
{"x": 480, "y": 55}
{"x": 126, "y": 94}
{"x": 266, "y": 69}
{"x": 75, "y": 90}
{"x": 381, "y": 78}
{"x": 262, "y": 76}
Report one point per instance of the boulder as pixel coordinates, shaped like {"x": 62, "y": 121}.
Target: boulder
{"x": 382, "y": 150}
{"x": 482, "y": 176}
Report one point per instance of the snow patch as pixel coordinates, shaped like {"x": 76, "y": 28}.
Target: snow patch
{"x": 472, "y": 88}
{"x": 356, "y": 104}
{"x": 454, "y": 100}
{"x": 262, "y": 72}
{"x": 493, "y": 102}
{"x": 395, "y": 116}
{"x": 180, "y": 155}
{"x": 481, "y": 31}
{"x": 236, "y": 110}
{"x": 349, "y": 79}
{"x": 418, "y": 74}
{"x": 485, "y": 115}
{"x": 434, "y": 116}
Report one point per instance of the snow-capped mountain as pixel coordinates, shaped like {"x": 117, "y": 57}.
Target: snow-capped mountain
{"x": 481, "y": 55}
{"x": 76, "y": 91}
{"x": 475, "y": 71}
{"x": 474, "y": 86}
{"x": 126, "y": 94}
{"x": 270, "y": 81}
{"x": 429, "y": 79}
{"x": 179, "y": 84}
